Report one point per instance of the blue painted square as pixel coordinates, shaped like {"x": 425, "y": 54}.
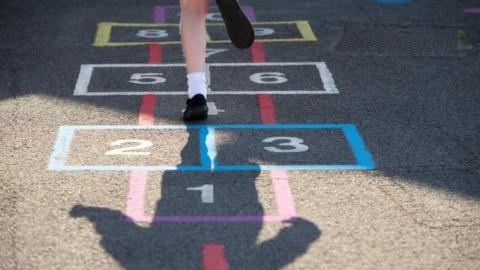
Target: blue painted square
{"x": 361, "y": 158}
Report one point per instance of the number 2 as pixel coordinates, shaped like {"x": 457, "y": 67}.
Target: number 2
{"x": 127, "y": 151}
{"x": 295, "y": 145}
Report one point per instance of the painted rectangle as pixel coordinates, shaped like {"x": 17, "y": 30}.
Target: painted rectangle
{"x": 280, "y": 78}
{"x": 208, "y": 149}
{"x": 112, "y": 34}
{"x": 235, "y": 197}
{"x": 269, "y": 147}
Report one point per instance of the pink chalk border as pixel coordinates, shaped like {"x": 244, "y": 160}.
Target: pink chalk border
{"x": 136, "y": 199}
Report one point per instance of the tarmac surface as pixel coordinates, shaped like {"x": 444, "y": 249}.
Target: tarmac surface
{"x": 346, "y": 138}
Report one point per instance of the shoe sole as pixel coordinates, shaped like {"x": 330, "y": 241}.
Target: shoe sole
{"x": 196, "y": 113}
{"x": 239, "y": 28}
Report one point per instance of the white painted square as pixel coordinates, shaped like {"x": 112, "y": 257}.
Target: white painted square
{"x": 261, "y": 82}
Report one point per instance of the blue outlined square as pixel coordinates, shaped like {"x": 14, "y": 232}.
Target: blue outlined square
{"x": 208, "y": 149}
{"x": 361, "y": 155}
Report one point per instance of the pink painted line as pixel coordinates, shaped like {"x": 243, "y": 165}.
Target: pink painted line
{"x": 136, "y": 195}
{"x": 213, "y": 257}
{"x": 283, "y": 195}
{"x": 138, "y": 179}
{"x": 474, "y": 10}
{"x": 281, "y": 186}
{"x": 147, "y": 107}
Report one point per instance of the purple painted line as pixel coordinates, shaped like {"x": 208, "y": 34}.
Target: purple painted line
{"x": 247, "y": 9}
{"x": 171, "y": 6}
{"x": 250, "y": 13}
{"x": 159, "y": 13}
{"x": 475, "y": 10}
{"x": 211, "y": 219}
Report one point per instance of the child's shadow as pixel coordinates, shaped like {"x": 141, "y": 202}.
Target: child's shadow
{"x": 180, "y": 245}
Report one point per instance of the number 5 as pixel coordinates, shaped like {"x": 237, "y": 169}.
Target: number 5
{"x": 296, "y": 145}
{"x": 147, "y": 78}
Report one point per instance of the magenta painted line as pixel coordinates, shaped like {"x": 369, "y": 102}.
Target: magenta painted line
{"x": 250, "y": 13}
{"x": 159, "y": 14}
{"x": 171, "y": 6}
{"x": 475, "y": 10}
{"x": 136, "y": 195}
{"x": 283, "y": 195}
{"x": 210, "y": 219}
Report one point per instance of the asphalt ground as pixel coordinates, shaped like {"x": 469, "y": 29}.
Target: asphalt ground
{"x": 407, "y": 77}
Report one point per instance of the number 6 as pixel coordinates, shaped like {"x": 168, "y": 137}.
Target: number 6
{"x": 268, "y": 78}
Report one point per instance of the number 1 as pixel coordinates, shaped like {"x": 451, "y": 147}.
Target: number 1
{"x": 207, "y": 192}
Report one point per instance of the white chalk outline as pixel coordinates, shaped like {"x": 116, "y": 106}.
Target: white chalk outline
{"x": 86, "y": 71}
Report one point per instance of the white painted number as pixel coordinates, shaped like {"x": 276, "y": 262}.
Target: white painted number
{"x": 215, "y": 16}
{"x": 147, "y": 78}
{"x": 152, "y": 33}
{"x": 142, "y": 144}
{"x": 293, "y": 144}
{"x": 259, "y": 32}
{"x": 211, "y": 52}
{"x": 207, "y": 192}
{"x": 268, "y": 78}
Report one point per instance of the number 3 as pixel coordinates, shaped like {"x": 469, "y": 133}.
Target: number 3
{"x": 296, "y": 145}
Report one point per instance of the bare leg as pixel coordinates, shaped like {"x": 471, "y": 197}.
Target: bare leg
{"x": 193, "y": 33}
{"x": 194, "y": 44}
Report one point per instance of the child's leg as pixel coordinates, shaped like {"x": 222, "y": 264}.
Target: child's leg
{"x": 194, "y": 43}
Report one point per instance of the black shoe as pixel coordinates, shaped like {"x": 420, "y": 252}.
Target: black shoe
{"x": 239, "y": 28}
{"x": 197, "y": 109}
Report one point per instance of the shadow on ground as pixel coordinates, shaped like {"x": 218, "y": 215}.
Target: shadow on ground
{"x": 180, "y": 245}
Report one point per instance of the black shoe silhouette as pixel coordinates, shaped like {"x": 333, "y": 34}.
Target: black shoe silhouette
{"x": 197, "y": 109}
{"x": 239, "y": 28}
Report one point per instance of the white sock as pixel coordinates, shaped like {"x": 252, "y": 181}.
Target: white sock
{"x": 197, "y": 84}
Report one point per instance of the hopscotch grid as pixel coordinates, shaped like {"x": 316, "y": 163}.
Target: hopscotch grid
{"x": 104, "y": 31}
{"x": 66, "y": 133}
{"x": 86, "y": 73}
